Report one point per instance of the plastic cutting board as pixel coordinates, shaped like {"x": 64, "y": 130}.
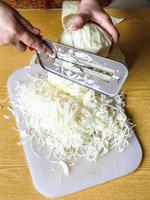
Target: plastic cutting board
{"x": 84, "y": 174}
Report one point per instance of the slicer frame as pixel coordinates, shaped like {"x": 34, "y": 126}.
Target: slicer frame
{"x": 92, "y": 71}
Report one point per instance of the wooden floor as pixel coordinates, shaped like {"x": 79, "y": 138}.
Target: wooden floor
{"x": 15, "y": 180}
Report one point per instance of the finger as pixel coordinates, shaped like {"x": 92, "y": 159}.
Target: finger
{"x": 80, "y": 20}
{"x": 34, "y": 42}
{"x": 27, "y": 25}
{"x": 105, "y": 22}
{"x": 20, "y": 46}
{"x": 112, "y": 30}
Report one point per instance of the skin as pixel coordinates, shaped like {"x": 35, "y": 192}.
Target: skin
{"x": 91, "y": 10}
{"x": 16, "y": 31}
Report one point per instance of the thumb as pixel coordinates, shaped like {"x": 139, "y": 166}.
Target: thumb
{"x": 80, "y": 20}
{"x": 20, "y": 46}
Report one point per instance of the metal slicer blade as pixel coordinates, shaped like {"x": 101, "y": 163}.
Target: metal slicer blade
{"x": 92, "y": 71}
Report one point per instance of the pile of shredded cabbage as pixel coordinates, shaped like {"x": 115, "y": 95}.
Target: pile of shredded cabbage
{"x": 71, "y": 120}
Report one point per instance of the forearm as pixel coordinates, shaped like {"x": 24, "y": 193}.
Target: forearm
{"x": 2, "y": 3}
{"x": 90, "y": 2}
{"x": 100, "y": 3}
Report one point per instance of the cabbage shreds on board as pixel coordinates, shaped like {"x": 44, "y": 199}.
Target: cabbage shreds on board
{"x": 71, "y": 121}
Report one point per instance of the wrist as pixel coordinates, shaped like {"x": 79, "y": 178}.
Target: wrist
{"x": 2, "y": 4}
{"x": 90, "y": 4}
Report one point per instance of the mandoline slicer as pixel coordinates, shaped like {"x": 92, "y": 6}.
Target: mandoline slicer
{"x": 92, "y": 71}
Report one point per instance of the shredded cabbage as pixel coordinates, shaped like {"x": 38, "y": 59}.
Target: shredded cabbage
{"x": 71, "y": 120}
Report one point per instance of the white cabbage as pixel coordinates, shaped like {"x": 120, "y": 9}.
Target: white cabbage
{"x": 71, "y": 121}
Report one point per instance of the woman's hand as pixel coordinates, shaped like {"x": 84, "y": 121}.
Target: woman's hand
{"x": 17, "y": 31}
{"x": 91, "y": 10}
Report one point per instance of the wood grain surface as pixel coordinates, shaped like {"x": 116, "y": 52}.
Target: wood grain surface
{"x": 15, "y": 179}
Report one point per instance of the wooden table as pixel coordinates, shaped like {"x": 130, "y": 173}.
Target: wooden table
{"x": 15, "y": 179}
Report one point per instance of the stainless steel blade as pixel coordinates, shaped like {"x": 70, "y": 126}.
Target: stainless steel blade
{"x": 95, "y": 72}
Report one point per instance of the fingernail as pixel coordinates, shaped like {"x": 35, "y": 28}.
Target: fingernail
{"x": 50, "y": 55}
{"x": 48, "y": 51}
{"x": 75, "y": 27}
{"x": 36, "y": 30}
{"x": 31, "y": 49}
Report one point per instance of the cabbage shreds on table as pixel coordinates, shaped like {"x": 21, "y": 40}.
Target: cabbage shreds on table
{"x": 71, "y": 120}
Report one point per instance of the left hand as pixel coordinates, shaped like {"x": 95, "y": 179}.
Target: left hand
{"x": 92, "y": 11}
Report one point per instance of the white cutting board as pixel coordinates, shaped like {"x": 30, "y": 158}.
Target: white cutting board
{"x": 84, "y": 174}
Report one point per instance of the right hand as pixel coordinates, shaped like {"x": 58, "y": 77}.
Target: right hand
{"x": 92, "y": 11}
{"x": 18, "y": 32}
